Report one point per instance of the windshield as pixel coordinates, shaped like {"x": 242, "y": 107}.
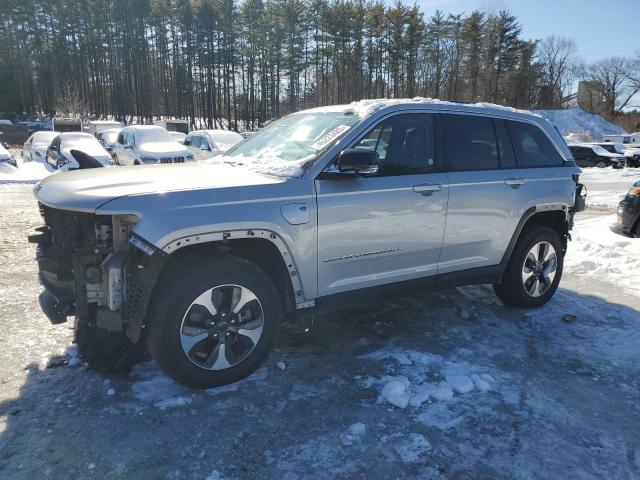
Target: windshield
{"x": 88, "y": 144}
{"x": 599, "y": 150}
{"x": 155, "y": 134}
{"x": 73, "y": 138}
{"x": 110, "y": 136}
{"x": 284, "y": 146}
{"x": 43, "y": 138}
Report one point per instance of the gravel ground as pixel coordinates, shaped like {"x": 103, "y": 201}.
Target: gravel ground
{"x": 509, "y": 393}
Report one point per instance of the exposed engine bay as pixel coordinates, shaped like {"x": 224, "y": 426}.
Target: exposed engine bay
{"x": 93, "y": 267}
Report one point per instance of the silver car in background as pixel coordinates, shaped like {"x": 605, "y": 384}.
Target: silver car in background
{"x": 208, "y": 143}
{"x": 59, "y": 152}
{"x": 35, "y": 148}
{"x": 108, "y": 138}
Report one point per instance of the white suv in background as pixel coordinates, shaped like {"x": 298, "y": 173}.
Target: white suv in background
{"x": 208, "y": 143}
{"x": 148, "y": 144}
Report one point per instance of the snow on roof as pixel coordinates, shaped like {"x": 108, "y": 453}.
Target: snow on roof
{"x": 364, "y": 108}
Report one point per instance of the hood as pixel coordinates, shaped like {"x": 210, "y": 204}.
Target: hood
{"x": 86, "y": 190}
{"x": 611, "y": 155}
{"x": 167, "y": 149}
{"x": 101, "y": 155}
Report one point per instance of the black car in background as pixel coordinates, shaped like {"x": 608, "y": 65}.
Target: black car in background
{"x": 587, "y": 155}
{"x": 629, "y": 212}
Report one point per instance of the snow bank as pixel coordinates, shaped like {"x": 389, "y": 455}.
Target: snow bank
{"x": 577, "y": 120}
{"x": 30, "y": 172}
{"x": 598, "y": 250}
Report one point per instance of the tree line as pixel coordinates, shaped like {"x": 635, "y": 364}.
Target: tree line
{"x": 240, "y": 63}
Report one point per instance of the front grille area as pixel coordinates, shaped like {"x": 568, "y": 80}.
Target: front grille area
{"x": 172, "y": 160}
{"x": 68, "y": 229}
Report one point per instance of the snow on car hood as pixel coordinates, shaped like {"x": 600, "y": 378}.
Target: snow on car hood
{"x": 167, "y": 149}
{"x": 86, "y": 190}
{"x": 99, "y": 154}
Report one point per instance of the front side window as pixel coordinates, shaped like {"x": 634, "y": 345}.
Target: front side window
{"x": 196, "y": 141}
{"x": 470, "y": 143}
{"x": 533, "y": 147}
{"x": 404, "y": 144}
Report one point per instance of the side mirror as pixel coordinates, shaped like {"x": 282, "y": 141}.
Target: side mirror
{"x": 357, "y": 161}
{"x": 128, "y": 146}
{"x": 205, "y": 148}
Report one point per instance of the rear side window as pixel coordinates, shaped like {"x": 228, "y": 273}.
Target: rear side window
{"x": 533, "y": 148}
{"x": 470, "y": 143}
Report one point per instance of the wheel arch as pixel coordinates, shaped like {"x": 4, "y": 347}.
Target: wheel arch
{"x": 555, "y": 218}
{"x": 263, "y": 248}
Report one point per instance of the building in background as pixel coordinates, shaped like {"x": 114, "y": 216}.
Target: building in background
{"x": 590, "y": 98}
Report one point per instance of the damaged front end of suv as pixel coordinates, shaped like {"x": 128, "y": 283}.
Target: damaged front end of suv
{"x": 94, "y": 268}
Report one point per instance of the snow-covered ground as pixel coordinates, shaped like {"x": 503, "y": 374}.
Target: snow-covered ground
{"x": 443, "y": 385}
{"x": 26, "y": 172}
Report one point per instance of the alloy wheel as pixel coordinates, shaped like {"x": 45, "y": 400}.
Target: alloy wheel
{"x": 221, "y": 327}
{"x": 539, "y": 269}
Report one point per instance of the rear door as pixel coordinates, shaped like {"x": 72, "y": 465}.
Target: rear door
{"x": 482, "y": 207}
{"x": 385, "y": 227}
{"x": 492, "y": 185}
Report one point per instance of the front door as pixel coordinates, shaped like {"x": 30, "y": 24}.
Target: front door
{"x": 386, "y": 227}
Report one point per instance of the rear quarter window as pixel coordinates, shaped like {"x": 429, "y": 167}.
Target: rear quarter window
{"x": 533, "y": 147}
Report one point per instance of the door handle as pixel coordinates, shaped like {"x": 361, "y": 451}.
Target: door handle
{"x": 515, "y": 182}
{"x": 427, "y": 188}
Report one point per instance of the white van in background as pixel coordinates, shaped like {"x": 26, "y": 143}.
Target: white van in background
{"x": 173, "y": 125}
{"x": 98, "y": 126}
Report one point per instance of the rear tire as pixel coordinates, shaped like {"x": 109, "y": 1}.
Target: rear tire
{"x": 104, "y": 351}
{"x": 217, "y": 324}
{"x": 538, "y": 258}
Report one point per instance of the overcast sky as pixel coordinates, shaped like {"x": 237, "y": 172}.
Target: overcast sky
{"x": 600, "y": 28}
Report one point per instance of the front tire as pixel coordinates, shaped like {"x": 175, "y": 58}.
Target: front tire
{"x": 534, "y": 269}
{"x": 217, "y": 324}
{"x": 601, "y": 164}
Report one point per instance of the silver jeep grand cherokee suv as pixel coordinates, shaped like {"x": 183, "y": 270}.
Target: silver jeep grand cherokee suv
{"x": 201, "y": 261}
